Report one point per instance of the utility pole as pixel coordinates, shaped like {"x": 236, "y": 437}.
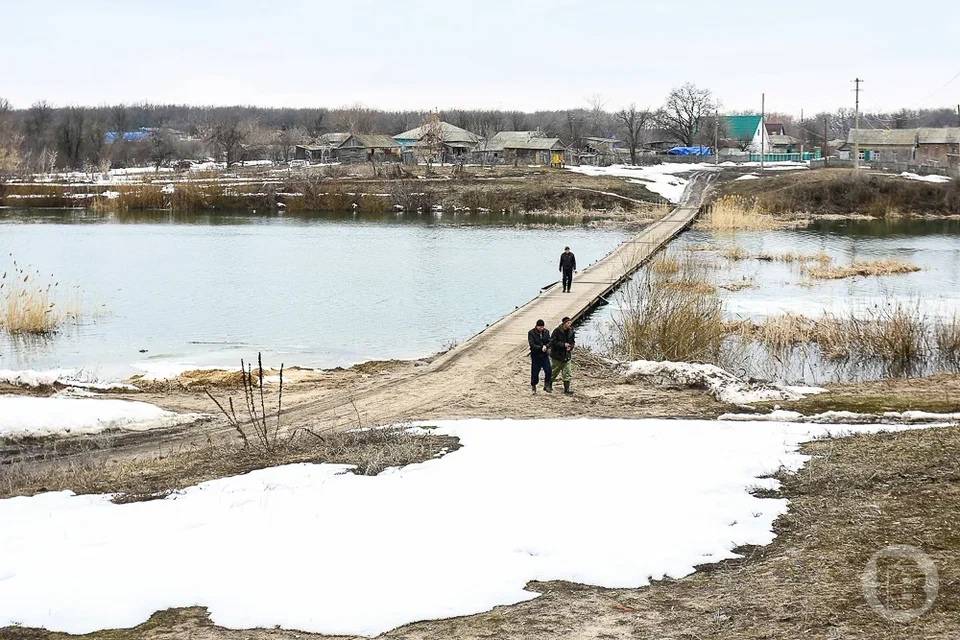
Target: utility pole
{"x": 823, "y": 152}
{"x": 763, "y": 127}
{"x": 803, "y": 134}
{"x": 856, "y": 125}
{"x": 716, "y": 135}
{"x": 958, "y": 115}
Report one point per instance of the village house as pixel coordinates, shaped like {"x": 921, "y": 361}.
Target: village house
{"x": 454, "y": 143}
{"x": 350, "y": 147}
{"x": 368, "y": 147}
{"x": 743, "y": 133}
{"x": 321, "y": 149}
{"x": 601, "y": 152}
{"x": 923, "y": 146}
{"x": 522, "y": 147}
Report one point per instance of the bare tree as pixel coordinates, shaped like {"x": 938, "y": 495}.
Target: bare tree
{"x": 431, "y": 142}
{"x": 684, "y": 111}
{"x": 226, "y": 137}
{"x": 10, "y": 140}
{"x": 633, "y": 121}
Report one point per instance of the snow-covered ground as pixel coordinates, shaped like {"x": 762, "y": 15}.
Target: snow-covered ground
{"x": 929, "y": 178}
{"x": 602, "y": 502}
{"x": 722, "y": 385}
{"x": 658, "y": 178}
{"x": 77, "y": 378}
{"x": 37, "y": 416}
{"x": 663, "y": 179}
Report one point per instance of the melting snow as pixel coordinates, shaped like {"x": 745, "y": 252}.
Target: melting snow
{"x": 35, "y": 416}
{"x": 929, "y": 178}
{"x": 603, "y": 502}
{"x": 721, "y": 384}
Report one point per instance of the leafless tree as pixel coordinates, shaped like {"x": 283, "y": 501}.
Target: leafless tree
{"x": 10, "y": 140}
{"x": 431, "y": 142}
{"x": 633, "y": 121}
{"x": 684, "y": 111}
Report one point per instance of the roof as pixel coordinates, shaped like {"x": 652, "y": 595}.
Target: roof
{"x": 742, "y": 127}
{"x": 777, "y": 139}
{"x": 373, "y": 140}
{"x": 451, "y": 133}
{"x": 520, "y": 140}
{"x": 601, "y": 140}
{"x": 905, "y": 137}
{"x": 334, "y": 139}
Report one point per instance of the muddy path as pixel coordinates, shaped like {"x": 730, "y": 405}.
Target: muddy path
{"x": 484, "y": 376}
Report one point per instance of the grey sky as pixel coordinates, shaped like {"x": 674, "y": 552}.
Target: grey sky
{"x": 524, "y": 54}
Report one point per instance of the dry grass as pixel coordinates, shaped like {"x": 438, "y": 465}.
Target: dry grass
{"x": 369, "y": 450}
{"x": 821, "y": 257}
{"x": 735, "y": 213}
{"x": 947, "y": 339}
{"x": 28, "y": 304}
{"x": 870, "y": 268}
{"x": 843, "y": 192}
{"x": 735, "y": 252}
{"x": 670, "y": 316}
{"x": 898, "y": 336}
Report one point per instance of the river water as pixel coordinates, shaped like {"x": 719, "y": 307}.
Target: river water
{"x": 160, "y": 292}
{"x": 777, "y": 287}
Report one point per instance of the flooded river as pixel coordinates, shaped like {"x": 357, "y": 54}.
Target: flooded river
{"x": 160, "y": 292}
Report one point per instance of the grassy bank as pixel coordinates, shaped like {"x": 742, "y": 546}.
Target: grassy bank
{"x": 408, "y": 189}
{"x": 843, "y": 192}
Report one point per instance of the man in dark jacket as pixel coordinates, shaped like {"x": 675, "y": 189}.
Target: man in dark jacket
{"x": 561, "y": 353}
{"x": 539, "y": 340}
{"x": 568, "y": 266}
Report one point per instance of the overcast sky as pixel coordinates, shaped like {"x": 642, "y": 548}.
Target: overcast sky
{"x": 511, "y": 54}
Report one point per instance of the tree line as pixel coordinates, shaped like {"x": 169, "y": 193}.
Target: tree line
{"x": 43, "y": 137}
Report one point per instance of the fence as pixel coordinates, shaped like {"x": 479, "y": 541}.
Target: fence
{"x": 786, "y": 157}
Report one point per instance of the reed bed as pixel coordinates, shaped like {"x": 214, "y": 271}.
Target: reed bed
{"x": 670, "y": 316}
{"x": 28, "y": 304}
{"x": 736, "y": 213}
{"x": 868, "y": 268}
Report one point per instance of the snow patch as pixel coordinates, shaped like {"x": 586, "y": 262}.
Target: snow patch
{"x": 930, "y": 178}
{"x": 32, "y": 416}
{"x": 62, "y": 377}
{"x": 722, "y": 385}
{"x": 847, "y": 417}
{"x": 602, "y": 502}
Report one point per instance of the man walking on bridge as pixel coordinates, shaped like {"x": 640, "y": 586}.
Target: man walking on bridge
{"x": 561, "y": 353}
{"x": 539, "y": 340}
{"x": 568, "y": 266}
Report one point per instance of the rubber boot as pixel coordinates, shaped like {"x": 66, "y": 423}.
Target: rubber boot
{"x": 566, "y": 388}
{"x": 548, "y": 387}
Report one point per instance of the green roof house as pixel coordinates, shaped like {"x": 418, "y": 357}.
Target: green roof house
{"x": 744, "y": 133}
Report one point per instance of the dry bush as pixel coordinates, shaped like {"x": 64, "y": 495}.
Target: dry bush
{"x": 669, "y": 317}
{"x": 947, "y": 339}
{"x": 140, "y": 198}
{"x": 28, "y": 305}
{"x": 665, "y": 265}
{"x": 735, "y": 213}
{"x": 735, "y": 252}
{"x": 870, "y": 268}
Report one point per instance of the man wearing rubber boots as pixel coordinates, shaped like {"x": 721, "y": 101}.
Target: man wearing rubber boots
{"x": 562, "y": 342}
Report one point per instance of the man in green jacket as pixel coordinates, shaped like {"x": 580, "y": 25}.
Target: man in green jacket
{"x": 562, "y": 342}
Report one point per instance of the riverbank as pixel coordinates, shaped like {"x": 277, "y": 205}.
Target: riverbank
{"x": 542, "y": 193}
{"x": 844, "y": 193}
